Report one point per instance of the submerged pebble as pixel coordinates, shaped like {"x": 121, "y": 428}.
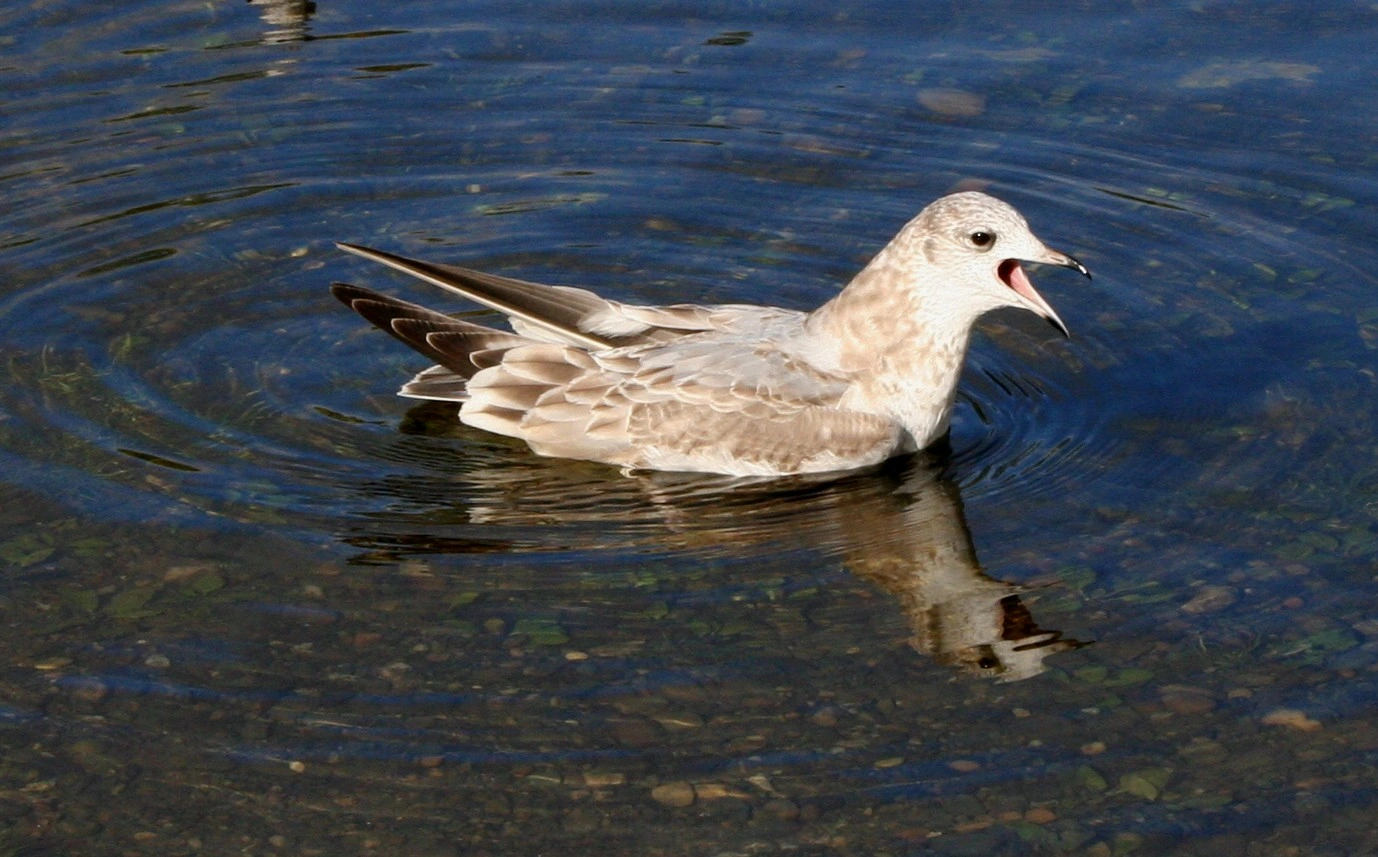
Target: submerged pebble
{"x": 1040, "y": 815}
{"x": 1147, "y": 783}
{"x": 717, "y": 791}
{"x": 1209, "y": 599}
{"x": 676, "y": 794}
{"x": 1291, "y": 718}
{"x": 1184, "y": 699}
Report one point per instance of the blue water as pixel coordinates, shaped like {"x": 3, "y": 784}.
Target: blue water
{"x": 253, "y": 602}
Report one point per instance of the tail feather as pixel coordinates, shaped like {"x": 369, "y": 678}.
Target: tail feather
{"x": 460, "y": 346}
{"x": 437, "y": 384}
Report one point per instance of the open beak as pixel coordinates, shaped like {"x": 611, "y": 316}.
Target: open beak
{"x": 1011, "y": 273}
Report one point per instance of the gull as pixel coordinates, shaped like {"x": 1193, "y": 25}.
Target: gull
{"x": 733, "y": 389}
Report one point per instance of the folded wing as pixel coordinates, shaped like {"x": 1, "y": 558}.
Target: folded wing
{"x": 704, "y": 402}
{"x": 684, "y": 387}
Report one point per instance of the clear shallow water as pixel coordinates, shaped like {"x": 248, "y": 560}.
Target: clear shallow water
{"x": 252, "y": 601}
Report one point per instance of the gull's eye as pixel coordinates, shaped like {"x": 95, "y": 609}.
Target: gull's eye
{"x": 983, "y": 239}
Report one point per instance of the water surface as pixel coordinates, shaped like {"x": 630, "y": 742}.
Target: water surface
{"x": 254, "y": 603}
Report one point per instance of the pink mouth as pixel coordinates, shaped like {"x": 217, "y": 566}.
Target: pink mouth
{"x": 1011, "y": 273}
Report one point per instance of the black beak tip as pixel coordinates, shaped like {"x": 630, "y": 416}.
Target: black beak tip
{"x": 1078, "y": 267}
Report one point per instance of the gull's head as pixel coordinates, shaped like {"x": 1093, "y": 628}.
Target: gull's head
{"x": 973, "y": 244}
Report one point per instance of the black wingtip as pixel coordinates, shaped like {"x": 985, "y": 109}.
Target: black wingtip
{"x": 347, "y": 293}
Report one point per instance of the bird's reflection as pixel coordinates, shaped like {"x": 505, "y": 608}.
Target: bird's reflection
{"x": 899, "y": 527}
{"x": 286, "y": 20}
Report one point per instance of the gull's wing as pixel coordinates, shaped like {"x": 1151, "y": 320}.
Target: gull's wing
{"x": 557, "y": 310}
{"x": 685, "y": 387}
{"x": 568, "y": 315}
{"x": 707, "y": 402}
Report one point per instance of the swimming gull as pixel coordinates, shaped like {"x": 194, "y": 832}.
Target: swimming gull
{"x": 735, "y": 389}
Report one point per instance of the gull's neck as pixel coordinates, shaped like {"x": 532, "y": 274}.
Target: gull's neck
{"x": 891, "y": 332}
